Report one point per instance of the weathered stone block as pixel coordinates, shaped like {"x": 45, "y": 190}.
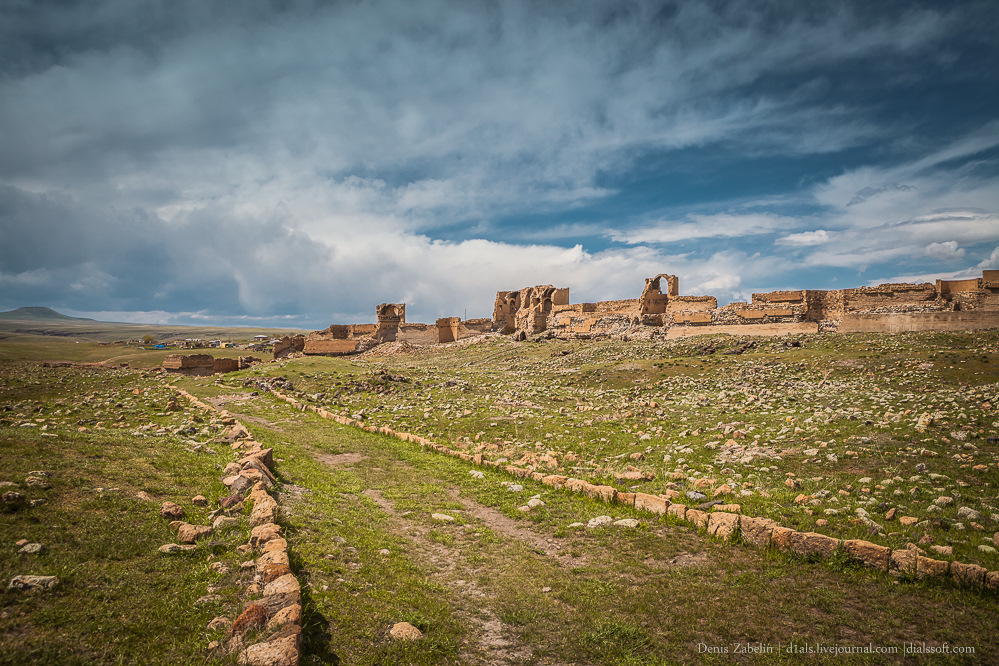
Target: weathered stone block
{"x": 284, "y": 585}
{"x": 756, "y": 531}
{"x": 927, "y": 567}
{"x": 678, "y": 511}
{"x": 261, "y": 534}
{"x": 698, "y": 519}
{"x": 970, "y": 575}
{"x": 723, "y": 525}
{"x": 628, "y": 499}
{"x": 781, "y": 537}
{"x": 555, "y": 481}
{"x": 871, "y": 554}
{"x": 278, "y": 652}
{"x": 813, "y": 543}
{"x": 651, "y": 503}
{"x": 902, "y": 563}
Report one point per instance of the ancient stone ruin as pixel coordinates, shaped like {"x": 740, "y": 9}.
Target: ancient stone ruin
{"x": 945, "y": 305}
{"x": 199, "y": 365}
{"x": 343, "y": 339}
{"x": 662, "y": 310}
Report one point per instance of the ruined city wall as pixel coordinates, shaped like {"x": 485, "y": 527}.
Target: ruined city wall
{"x": 289, "y": 344}
{"x": 892, "y": 296}
{"x": 744, "y": 329}
{"x": 417, "y": 334}
{"x": 917, "y": 321}
{"x": 320, "y": 347}
{"x": 225, "y": 365}
{"x": 472, "y": 327}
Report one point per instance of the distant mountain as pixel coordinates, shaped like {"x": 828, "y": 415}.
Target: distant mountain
{"x": 38, "y": 314}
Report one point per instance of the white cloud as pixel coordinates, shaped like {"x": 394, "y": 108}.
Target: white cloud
{"x": 805, "y": 238}
{"x": 992, "y": 262}
{"x": 945, "y": 251}
{"x": 721, "y": 225}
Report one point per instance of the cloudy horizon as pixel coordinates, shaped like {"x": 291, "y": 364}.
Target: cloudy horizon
{"x": 296, "y": 163}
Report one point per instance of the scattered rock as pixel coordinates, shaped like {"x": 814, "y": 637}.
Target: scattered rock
{"x": 32, "y": 549}
{"x": 188, "y": 533}
{"x": 627, "y": 522}
{"x": 599, "y": 521}
{"x": 171, "y": 511}
{"x": 220, "y": 622}
{"x": 443, "y": 517}
{"x": 32, "y": 583}
{"x": 170, "y": 548}
{"x": 254, "y": 617}
{"x": 14, "y": 499}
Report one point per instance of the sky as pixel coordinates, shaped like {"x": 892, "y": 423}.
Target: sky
{"x": 294, "y": 164}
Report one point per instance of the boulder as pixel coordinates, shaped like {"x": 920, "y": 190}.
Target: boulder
{"x": 261, "y": 534}
{"x": 276, "y": 652}
{"x": 254, "y": 617}
{"x": 188, "y": 533}
{"x": 698, "y": 518}
{"x": 927, "y": 567}
{"x": 289, "y": 615}
{"x": 902, "y": 563}
{"x": 286, "y": 584}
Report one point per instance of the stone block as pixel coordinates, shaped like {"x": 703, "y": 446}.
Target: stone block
{"x": 678, "y": 511}
{"x": 756, "y": 531}
{"x": 813, "y": 543}
{"x": 723, "y": 525}
{"x": 651, "y": 503}
{"x": 628, "y": 499}
{"x": 284, "y": 585}
{"x": 902, "y": 563}
{"x": 781, "y": 537}
{"x": 970, "y": 575}
{"x": 927, "y": 567}
{"x": 261, "y": 534}
{"x": 871, "y": 554}
{"x": 698, "y": 519}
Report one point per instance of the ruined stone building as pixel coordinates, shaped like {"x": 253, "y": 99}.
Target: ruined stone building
{"x": 661, "y": 309}
{"x": 391, "y": 326}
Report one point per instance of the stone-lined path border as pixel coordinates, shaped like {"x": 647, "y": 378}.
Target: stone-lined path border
{"x": 268, "y": 631}
{"x": 726, "y": 525}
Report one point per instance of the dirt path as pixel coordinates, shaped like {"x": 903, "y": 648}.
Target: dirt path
{"x": 498, "y": 643}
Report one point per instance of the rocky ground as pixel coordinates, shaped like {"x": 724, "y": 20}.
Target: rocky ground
{"x": 890, "y": 439}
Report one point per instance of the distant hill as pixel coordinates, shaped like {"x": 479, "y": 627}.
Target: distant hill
{"x": 38, "y": 314}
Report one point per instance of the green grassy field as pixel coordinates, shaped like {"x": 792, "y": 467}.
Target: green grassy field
{"x": 824, "y": 433}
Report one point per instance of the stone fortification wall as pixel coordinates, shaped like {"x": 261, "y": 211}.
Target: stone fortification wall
{"x": 743, "y": 329}
{"x": 917, "y": 321}
{"x": 320, "y": 347}
{"x": 198, "y": 364}
{"x": 288, "y": 345}
{"x": 530, "y": 311}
